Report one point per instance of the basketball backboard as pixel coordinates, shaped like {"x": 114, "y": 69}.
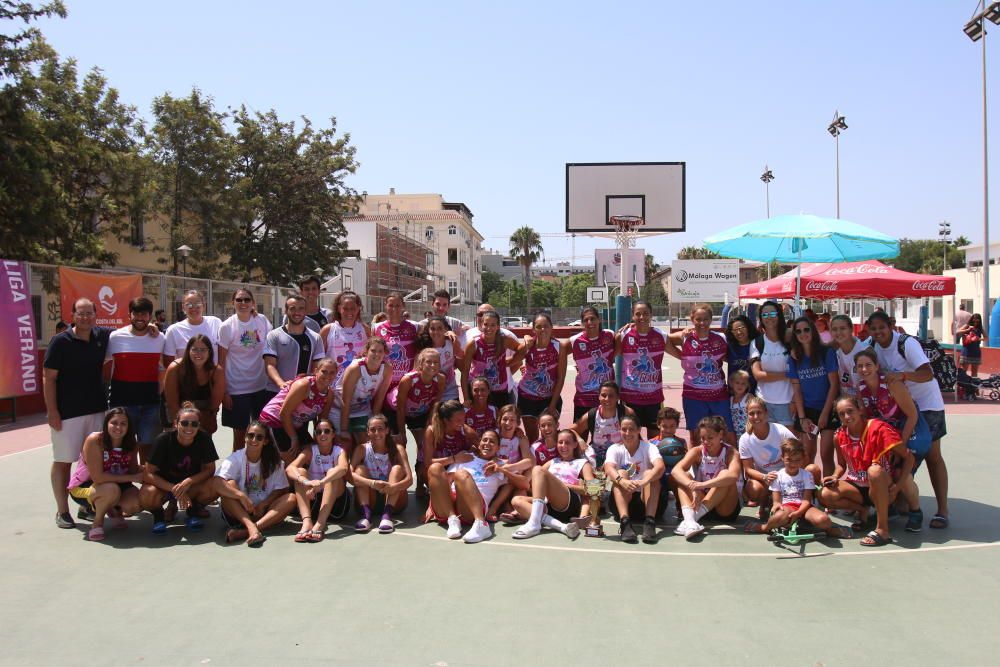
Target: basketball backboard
{"x": 651, "y": 190}
{"x": 597, "y": 295}
{"x": 608, "y": 266}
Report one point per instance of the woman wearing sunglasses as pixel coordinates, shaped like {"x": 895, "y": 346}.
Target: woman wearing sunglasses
{"x": 769, "y": 361}
{"x": 812, "y": 368}
{"x": 253, "y": 488}
{"x": 241, "y": 353}
{"x": 180, "y": 468}
{"x": 319, "y": 474}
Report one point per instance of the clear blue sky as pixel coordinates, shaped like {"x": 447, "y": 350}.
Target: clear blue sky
{"x": 485, "y": 102}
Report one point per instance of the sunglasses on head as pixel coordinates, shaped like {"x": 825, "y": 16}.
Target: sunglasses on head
{"x": 189, "y": 423}
{"x": 256, "y": 436}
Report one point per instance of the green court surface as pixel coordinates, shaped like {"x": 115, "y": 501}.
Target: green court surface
{"x": 416, "y": 598}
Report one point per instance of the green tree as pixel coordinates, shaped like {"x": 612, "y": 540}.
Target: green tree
{"x": 69, "y": 162}
{"x": 292, "y": 181}
{"x": 573, "y": 292}
{"x": 927, "y": 256}
{"x": 544, "y": 294}
{"x": 526, "y": 248}
{"x": 193, "y": 185}
{"x": 694, "y": 252}
{"x": 776, "y": 270}
{"x": 491, "y": 281}
{"x": 19, "y": 50}
{"x": 509, "y": 294}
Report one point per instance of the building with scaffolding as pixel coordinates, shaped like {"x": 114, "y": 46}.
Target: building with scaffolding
{"x": 382, "y": 259}
{"x": 445, "y": 229}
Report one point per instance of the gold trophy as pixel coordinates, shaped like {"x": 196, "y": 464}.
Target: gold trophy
{"x": 594, "y": 488}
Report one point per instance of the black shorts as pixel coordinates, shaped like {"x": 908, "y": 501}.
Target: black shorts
{"x": 570, "y": 512}
{"x": 340, "y": 506}
{"x": 636, "y": 507}
{"x": 285, "y": 443}
{"x": 812, "y": 414}
{"x": 498, "y": 399}
{"x": 646, "y": 414}
{"x": 418, "y": 422}
{"x": 533, "y": 407}
{"x": 865, "y": 495}
{"x": 713, "y": 515}
{"x": 246, "y": 408}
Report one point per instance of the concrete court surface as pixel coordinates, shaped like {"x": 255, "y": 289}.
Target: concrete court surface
{"x": 416, "y": 598}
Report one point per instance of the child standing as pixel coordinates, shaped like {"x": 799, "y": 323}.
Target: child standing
{"x": 739, "y": 390}
{"x": 672, "y": 449}
{"x": 792, "y": 494}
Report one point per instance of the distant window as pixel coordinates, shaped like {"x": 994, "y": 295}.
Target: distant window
{"x": 452, "y": 230}
{"x": 453, "y": 255}
{"x": 453, "y": 287}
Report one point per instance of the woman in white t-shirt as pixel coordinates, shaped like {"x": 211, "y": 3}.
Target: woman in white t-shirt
{"x": 195, "y": 322}
{"x": 847, "y": 346}
{"x": 760, "y": 454}
{"x": 556, "y": 491}
{"x": 635, "y": 468}
{"x": 253, "y": 488}
{"x": 769, "y": 361}
{"x": 241, "y": 353}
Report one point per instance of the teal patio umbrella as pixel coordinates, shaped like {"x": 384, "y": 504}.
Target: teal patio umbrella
{"x": 794, "y": 239}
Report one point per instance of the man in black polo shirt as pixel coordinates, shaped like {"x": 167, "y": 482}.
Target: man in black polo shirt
{"x": 75, "y": 398}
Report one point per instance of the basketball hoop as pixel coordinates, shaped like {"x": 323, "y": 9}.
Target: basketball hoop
{"x": 626, "y": 232}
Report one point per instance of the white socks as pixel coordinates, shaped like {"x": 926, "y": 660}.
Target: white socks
{"x": 688, "y": 513}
{"x": 700, "y": 512}
{"x": 537, "y": 512}
{"x": 553, "y": 524}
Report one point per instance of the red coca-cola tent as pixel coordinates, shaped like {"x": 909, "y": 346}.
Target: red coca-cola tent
{"x": 871, "y": 279}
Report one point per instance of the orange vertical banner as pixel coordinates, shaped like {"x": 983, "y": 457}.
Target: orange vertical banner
{"x": 110, "y": 294}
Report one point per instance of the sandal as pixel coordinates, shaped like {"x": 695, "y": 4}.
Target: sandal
{"x": 160, "y": 528}
{"x": 316, "y": 535}
{"x": 873, "y": 539}
{"x": 194, "y": 524}
{"x": 362, "y": 526}
{"x": 256, "y": 540}
{"x": 386, "y": 526}
{"x": 96, "y": 534}
{"x": 939, "y": 522}
{"x": 524, "y": 532}
{"x": 302, "y": 536}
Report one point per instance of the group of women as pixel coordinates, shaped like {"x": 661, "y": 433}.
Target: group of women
{"x": 484, "y": 455}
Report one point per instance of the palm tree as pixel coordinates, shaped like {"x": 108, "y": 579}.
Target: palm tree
{"x": 526, "y": 248}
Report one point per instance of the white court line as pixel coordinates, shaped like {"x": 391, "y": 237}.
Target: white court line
{"x": 718, "y": 554}
{"x": 24, "y": 451}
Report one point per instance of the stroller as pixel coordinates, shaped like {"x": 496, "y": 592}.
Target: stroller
{"x": 971, "y": 388}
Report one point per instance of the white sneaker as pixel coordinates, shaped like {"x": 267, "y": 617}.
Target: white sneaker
{"x": 693, "y": 530}
{"x": 454, "y": 527}
{"x": 682, "y": 527}
{"x": 572, "y": 531}
{"x": 480, "y": 531}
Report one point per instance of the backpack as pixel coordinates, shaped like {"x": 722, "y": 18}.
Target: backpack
{"x": 592, "y": 419}
{"x": 942, "y": 365}
{"x": 758, "y": 343}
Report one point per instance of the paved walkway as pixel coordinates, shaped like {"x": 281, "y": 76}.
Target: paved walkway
{"x": 416, "y": 598}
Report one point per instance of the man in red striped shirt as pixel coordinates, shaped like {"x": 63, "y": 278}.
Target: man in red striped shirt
{"x": 135, "y": 381}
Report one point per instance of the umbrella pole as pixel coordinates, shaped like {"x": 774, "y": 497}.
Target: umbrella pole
{"x": 798, "y": 281}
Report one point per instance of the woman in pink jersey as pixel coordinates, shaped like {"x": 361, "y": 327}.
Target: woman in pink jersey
{"x": 437, "y": 334}
{"x": 104, "y": 476}
{"x": 711, "y": 491}
{"x": 701, "y": 353}
{"x": 593, "y": 352}
{"x": 288, "y": 414}
{"x": 414, "y": 398}
{"x": 641, "y": 346}
{"x": 346, "y": 335}
{"x": 400, "y": 335}
{"x": 446, "y": 440}
{"x": 542, "y": 376}
{"x": 486, "y": 356}
{"x": 556, "y": 491}
{"x": 481, "y": 416}
{"x": 544, "y": 449}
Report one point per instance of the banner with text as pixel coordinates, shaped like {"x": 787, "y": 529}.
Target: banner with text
{"x": 19, "y": 372}
{"x": 704, "y": 280}
{"x": 109, "y": 293}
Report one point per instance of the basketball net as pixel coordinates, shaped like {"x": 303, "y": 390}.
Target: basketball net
{"x": 626, "y": 233}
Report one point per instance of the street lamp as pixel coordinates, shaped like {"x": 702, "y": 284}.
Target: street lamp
{"x": 184, "y": 251}
{"x": 838, "y": 125}
{"x": 976, "y": 30}
{"x": 944, "y": 235}
{"x": 767, "y": 177}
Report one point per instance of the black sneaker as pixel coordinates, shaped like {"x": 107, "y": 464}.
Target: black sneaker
{"x": 86, "y": 514}
{"x": 649, "y": 531}
{"x": 627, "y": 532}
{"x": 64, "y": 520}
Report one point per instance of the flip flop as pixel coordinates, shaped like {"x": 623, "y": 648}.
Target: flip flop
{"x": 939, "y": 522}
{"x": 302, "y": 536}
{"x": 873, "y": 539}
{"x": 96, "y": 534}
{"x": 255, "y": 542}
{"x": 316, "y": 535}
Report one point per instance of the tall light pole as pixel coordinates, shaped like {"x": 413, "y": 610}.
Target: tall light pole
{"x": 976, "y": 30}
{"x": 767, "y": 177}
{"x": 184, "y": 251}
{"x": 838, "y": 125}
{"x": 944, "y": 235}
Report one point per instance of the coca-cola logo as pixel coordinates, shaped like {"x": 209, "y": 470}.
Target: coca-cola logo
{"x": 825, "y": 286}
{"x": 928, "y": 285}
{"x": 860, "y": 268}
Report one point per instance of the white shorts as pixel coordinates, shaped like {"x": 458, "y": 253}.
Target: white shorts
{"x": 67, "y": 443}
